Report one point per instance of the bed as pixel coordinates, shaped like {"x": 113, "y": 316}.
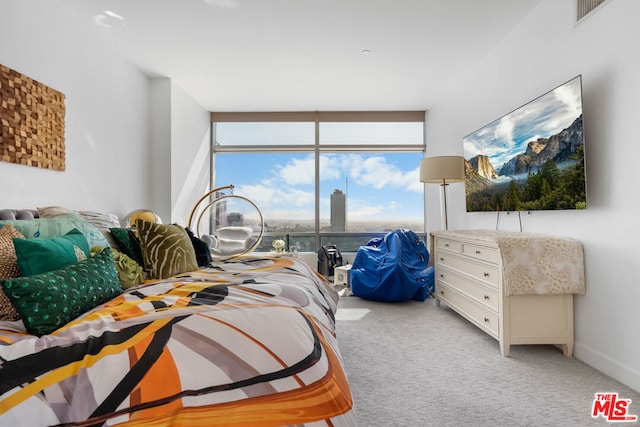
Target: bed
{"x": 245, "y": 342}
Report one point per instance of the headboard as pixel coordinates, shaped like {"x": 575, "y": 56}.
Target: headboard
{"x": 14, "y": 214}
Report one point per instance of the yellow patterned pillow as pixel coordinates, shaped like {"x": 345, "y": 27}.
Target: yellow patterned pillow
{"x": 166, "y": 249}
{"x": 8, "y": 269}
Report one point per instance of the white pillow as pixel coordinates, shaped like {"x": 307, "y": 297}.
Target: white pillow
{"x": 231, "y": 245}
{"x": 234, "y": 233}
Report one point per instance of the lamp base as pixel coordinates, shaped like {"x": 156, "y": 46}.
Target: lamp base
{"x": 443, "y": 206}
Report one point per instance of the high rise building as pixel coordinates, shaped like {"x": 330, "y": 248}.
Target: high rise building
{"x": 220, "y": 211}
{"x": 338, "y": 211}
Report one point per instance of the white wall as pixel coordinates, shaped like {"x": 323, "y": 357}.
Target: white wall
{"x": 190, "y": 153}
{"x": 107, "y": 122}
{"x": 131, "y": 142}
{"x": 545, "y": 50}
{"x": 180, "y": 135}
{"x": 160, "y": 148}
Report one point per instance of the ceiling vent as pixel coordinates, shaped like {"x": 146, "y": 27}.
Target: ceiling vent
{"x": 585, "y": 7}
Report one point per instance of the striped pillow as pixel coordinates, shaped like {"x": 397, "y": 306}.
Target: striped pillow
{"x": 166, "y": 249}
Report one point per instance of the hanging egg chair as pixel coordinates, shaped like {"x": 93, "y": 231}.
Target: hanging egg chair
{"x": 231, "y": 225}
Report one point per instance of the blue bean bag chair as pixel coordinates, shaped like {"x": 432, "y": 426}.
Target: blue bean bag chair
{"x": 393, "y": 268}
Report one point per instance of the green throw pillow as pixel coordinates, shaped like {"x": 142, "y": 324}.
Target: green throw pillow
{"x": 50, "y": 300}
{"x": 127, "y": 243}
{"x": 166, "y": 249}
{"x": 37, "y": 256}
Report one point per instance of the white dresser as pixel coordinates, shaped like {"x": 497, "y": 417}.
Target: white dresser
{"x": 470, "y": 279}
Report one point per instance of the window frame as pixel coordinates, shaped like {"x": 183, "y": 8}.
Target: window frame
{"x": 317, "y": 148}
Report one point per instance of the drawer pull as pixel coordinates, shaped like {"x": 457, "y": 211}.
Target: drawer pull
{"x": 477, "y": 252}
{"x": 441, "y": 292}
{"x": 441, "y": 276}
{"x": 446, "y": 245}
{"x": 486, "y": 297}
{"x": 486, "y": 320}
{"x": 486, "y": 274}
{"x": 441, "y": 259}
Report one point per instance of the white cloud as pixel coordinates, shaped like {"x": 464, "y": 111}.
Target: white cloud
{"x": 504, "y": 132}
{"x": 570, "y": 96}
{"x": 297, "y": 171}
{"x": 272, "y": 197}
{"x": 366, "y": 212}
{"x": 374, "y": 171}
{"x": 362, "y": 211}
{"x": 330, "y": 168}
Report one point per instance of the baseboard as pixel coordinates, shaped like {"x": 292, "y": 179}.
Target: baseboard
{"x": 605, "y": 364}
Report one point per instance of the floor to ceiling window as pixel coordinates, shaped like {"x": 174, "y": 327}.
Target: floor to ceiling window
{"x": 324, "y": 177}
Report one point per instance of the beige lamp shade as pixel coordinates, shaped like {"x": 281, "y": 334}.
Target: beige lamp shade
{"x": 442, "y": 169}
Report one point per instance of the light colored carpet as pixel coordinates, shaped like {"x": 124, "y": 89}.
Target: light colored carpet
{"x": 415, "y": 364}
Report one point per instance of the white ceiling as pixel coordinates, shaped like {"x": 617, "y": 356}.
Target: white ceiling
{"x": 295, "y": 55}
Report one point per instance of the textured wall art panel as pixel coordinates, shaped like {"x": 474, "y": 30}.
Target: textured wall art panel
{"x": 32, "y": 117}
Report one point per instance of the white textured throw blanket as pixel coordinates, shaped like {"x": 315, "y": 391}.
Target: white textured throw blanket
{"x": 536, "y": 263}
{"x": 541, "y": 265}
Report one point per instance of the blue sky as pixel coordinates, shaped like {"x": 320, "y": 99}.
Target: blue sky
{"x": 380, "y": 186}
{"x": 542, "y": 117}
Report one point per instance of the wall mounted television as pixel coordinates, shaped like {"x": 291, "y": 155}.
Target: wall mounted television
{"x": 531, "y": 158}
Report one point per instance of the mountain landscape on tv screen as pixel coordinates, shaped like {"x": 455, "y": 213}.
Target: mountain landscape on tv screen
{"x": 510, "y": 165}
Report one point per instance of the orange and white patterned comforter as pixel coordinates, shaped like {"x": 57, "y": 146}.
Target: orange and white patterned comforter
{"x": 249, "y": 342}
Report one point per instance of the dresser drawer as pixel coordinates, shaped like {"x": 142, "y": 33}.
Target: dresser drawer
{"x": 480, "y": 316}
{"x": 484, "y": 272}
{"x": 483, "y": 295}
{"x": 449, "y": 245}
{"x": 483, "y": 253}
